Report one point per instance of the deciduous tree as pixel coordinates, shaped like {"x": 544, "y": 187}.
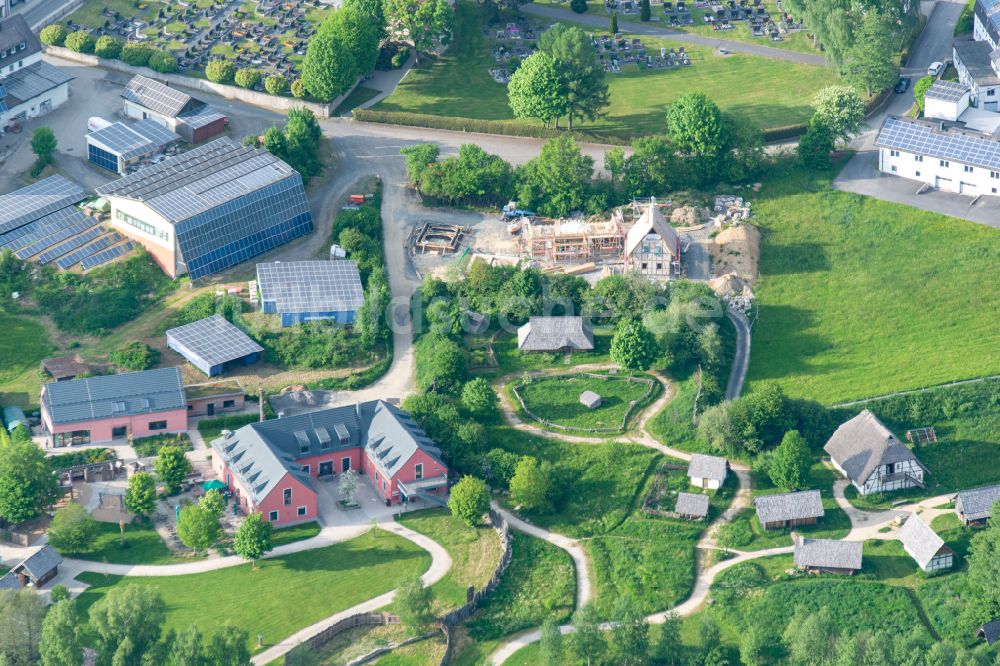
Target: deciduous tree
{"x": 132, "y": 614}
{"x": 188, "y": 648}
{"x": 413, "y": 604}
{"x": 633, "y": 347}
{"x": 140, "y": 494}
{"x": 21, "y": 615}
{"x": 54, "y": 34}
{"x": 214, "y": 503}
{"x": 871, "y": 61}
{"x": 229, "y": 647}
{"x": 72, "y": 529}
{"x": 841, "y": 109}
{"x": 696, "y": 129}
{"x": 550, "y": 645}
{"x": 630, "y": 633}
{"x": 583, "y": 81}
{"x": 469, "y": 500}
{"x": 529, "y": 486}
{"x": 253, "y": 538}
{"x": 479, "y": 398}
{"x": 789, "y": 466}
{"x": 27, "y": 485}
{"x": 198, "y": 528}
{"x": 534, "y": 89}
{"x": 424, "y": 23}
{"x": 220, "y": 71}
{"x": 80, "y": 41}
{"x": 557, "y": 181}
{"x": 60, "y": 636}
{"x": 816, "y": 145}
{"x": 171, "y": 467}
{"x": 920, "y": 91}
{"x": 586, "y": 641}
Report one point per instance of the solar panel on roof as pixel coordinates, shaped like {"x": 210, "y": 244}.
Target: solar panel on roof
{"x": 214, "y": 340}
{"x": 104, "y": 256}
{"x": 924, "y": 139}
{"x": 311, "y": 286}
{"x": 70, "y": 245}
{"x": 155, "y": 96}
{"x": 37, "y": 200}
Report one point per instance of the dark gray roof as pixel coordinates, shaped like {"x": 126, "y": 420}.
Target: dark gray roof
{"x": 977, "y": 503}
{"x": 10, "y": 581}
{"x": 940, "y": 141}
{"x": 590, "y": 399}
{"x": 37, "y": 200}
{"x": 554, "y": 333}
{"x": 990, "y": 631}
{"x": 708, "y": 467}
{"x": 31, "y": 81}
{"x": 201, "y": 179}
{"x": 828, "y": 554}
{"x": 692, "y": 504}
{"x": 214, "y": 340}
{"x": 864, "y": 443}
{"x": 922, "y": 542}
{"x": 158, "y": 97}
{"x": 789, "y": 506}
{"x": 16, "y": 34}
{"x": 109, "y": 396}
{"x": 946, "y": 91}
{"x": 42, "y": 561}
{"x": 311, "y": 286}
{"x": 975, "y": 56}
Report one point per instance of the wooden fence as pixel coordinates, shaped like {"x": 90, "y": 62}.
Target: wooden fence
{"x": 628, "y": 412}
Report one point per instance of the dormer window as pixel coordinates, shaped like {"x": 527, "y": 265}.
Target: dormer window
{"x": 20, "y": 47}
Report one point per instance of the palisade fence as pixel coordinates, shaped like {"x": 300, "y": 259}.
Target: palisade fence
{"x": 444, "y": 624}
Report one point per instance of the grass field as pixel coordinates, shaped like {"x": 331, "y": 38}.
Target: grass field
{"x": 459, "y": 85}
{"x": 860, "y": 297}
{"x": 142, "y": 545}
{"x": 474, "y": 551}
{"x": 23, "y": 345}
{"x": 211, "y": 429}
{"x": 557, "y": 399}
{"x": 286, "y": 535}
{"x": 285, "y": 593}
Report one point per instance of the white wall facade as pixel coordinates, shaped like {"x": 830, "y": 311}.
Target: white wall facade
{"x": 142, "y": 224}
{"x": 981, "y": 97}
{"x": 13, "y": 63}
{"x": 709, "y": 484}
{"x": 945, "y": 175}
{"x": 944, "y": 110}
{"x": 37, "y": 106}
{"x": 133, "y": 110}
{"x": 887, "y": 478}
{"x": 980, "y": 33}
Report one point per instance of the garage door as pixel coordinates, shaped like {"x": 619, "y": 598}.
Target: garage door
{"x": 966, "y": 188}
{"x": 942, "y": 183}
{"x": 990, "y": 106}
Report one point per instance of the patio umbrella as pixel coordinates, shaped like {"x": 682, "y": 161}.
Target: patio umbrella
{"x": 214, "y": 484}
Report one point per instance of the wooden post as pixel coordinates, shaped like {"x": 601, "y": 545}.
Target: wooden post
{"x": 260, "y": 404}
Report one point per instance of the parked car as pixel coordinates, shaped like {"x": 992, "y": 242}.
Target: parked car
{"x": 902, "y": 85}
{"x": 935, "y": 68}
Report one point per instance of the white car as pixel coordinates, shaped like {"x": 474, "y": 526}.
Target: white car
{"x": 935, "y": 68}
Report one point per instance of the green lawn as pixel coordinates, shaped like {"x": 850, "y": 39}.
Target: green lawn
{"x": 284, "y": 594}
{"x": 23, "y": 345}
{"x": 358, "y": 96}
{"x": 511, "y": 360}
{"x": 142, "y": 545}
{"x": 459, "y": 85}
{"x": 475, "y": 552}
{"x": 286, "y": 535}
{"x": 860, "y": 297}
{"x": 354, "y": 643}
{"x": 557, "y": 399}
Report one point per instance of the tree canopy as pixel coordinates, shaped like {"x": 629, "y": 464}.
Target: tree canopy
{"x": 583, "y": 87}
{"x": 534, "y": 89}
{"x": 27, "y": 485}
{"x": 344, "y": 48}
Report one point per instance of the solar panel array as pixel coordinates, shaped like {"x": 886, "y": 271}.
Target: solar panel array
{"x": 104, "y": 256}
{"x": 77, "y": 256}
{"x": 29, "y": 233}
{"x": 311, "y": 286}
{"x": 215, "y": 340}
{"x": 37, "y": 200}
{"x": 155, "y": 96}
{"x": 35, "y": 79}
{"x": 203, "y": 115}
{"x": 70, "y": 245}
{"x": 62, "y": 234}
{"x": 119, "y": 139}
{"x": 155, "y": 132}
{"x": 921, "y": 138}
{"x": 947, "y": 91}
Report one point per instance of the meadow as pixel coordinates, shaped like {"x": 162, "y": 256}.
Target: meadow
{"x": 557, "y": 400}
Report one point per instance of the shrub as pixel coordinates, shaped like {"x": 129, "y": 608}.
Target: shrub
{"x": 136, "y": 54}
{"x": 276, "y": 84}
{"x": 220, "y": 71}
{"x": 163, "y": 62}
{"x": 134, "y": 355}
{"x": 441, "y": 363}
{"x": 108, "y": 47}
{"x": 298, "y": 89}
{"x": 248, "y": 77}
{"x": 54, "y": 35}
{"x": 400, "y": 58}
{"x": 72, "y": 529}
{"x": 578, "y": 6}
{"x": 80, "y": 41}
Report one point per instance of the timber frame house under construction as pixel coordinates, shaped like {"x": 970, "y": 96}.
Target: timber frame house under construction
{"x": 574, "y": 240}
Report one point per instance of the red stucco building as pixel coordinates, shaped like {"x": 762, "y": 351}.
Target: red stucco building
{"x": 271, "y": 466}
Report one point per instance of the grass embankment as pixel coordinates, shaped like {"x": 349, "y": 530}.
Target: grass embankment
{"x": 355, "y": 643}
{"x": 284, "y": 594}
{"x": 557, "y": 400}
{"x": 459, "y": 85}
{"x": 23, "y": 345}
{"x": 860, "y": 297}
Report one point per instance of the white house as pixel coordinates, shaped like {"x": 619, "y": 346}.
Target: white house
{"x": 29, "y": 86}
{"x": 872, "y": 458}
{"x": 924, "y": 545}
{"x": 974, "y": 63}
{"x": 707, "y": 471}
{"x": 652, "y": 246}
{"x": 986, "y": 22}
{"x": 946, "y": 100}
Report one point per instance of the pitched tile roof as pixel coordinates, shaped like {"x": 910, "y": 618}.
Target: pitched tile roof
{"x": 922, "y": 542}
{"x": 14, "y": 31}
{"x": 789, "y": 506}
{"x": 40, "y": 562}
{"x": 708, "y": 467}
{"x": 110, "y": 396}
{"x": 651, "y": 222}
{"x": 990, "y": 631}
{"x": 692, "y": 504}
{"x": 864, "y": 443}
{"x": 554, "y": 333}
{"x": 977, "y": 503}
{"x": 828, "y": 554}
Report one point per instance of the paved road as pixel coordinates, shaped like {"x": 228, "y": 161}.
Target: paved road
{"x": 741, "y": 360}
{"x": 653, "y": 30}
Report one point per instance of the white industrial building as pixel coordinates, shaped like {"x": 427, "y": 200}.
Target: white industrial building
{"x": 29, "y": 86}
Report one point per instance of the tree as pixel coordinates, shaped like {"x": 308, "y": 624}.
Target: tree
{"x": 253, "y": 538}
{"x": 108, "y": 47}
{"x": 669, "y": 648}
{"x": 72, "y": 529}
{"x": 578, "y": 6}
{"x": 613, "y": 26}
{"x": 27, "y": 485}
{"x": 171, "y": 468}
{"x": 425, "y": 23}
{"x": 43, "y": 145}
{"x": 21, "y": 615}
{"x": 344, "y": 48}
{"x": 871, "y": 62}
{"x": 534, "y": 89}
{"x": 469, "y": 500}
{"x": 984, "y": 574}
{"x": 841, "y": 109}
{"x": 59, "y": 593}
{"x": 188, "y": 648}
{"x": 164, "y": 62}
{"x": 789, "y": 466}
{"x": 709, "y": 346}
{"x": 140, "y": 494}
{"x": 136, "y": 54}
{"x": 228, "y": 647}
{"x": 247, "y": 77}
{"x": 645, "y": 13}
{"x": 413, "y": 604}
{"x": 132, "y": 615}
{"x": 373, "y": 12}
{"x": 583, "y": 81}
{"x": 556, "y": 182}
{"x": 614, "y": 164}
{"x": 752, "y": 646}
{"x": 630, "y": 634}
{"x": 809, "y": 638}
{"x": 441, "y": 363}
{"x": 529, "y": 487}
{"x": 633, "y": 347}
{"x": 920, "y": 91}
{"x": 220, "y": 71}
{"x": 349, "y": 488}
{"x": 80, "y": 41}
{"x": 696, "y": 129}
{"x": 197, "y": 527}
{"x": 298, "y": 88}
{"x": 53, "y": 35}
{"x": 479, "y": 398}
{"x": 498, "y": 466}
{"x": 550, "y": 646}
{"x": 586, "y": 641}
{"x": 135, "y": 355}
{"x": 275, "y": 84}
{"x": 214, "y": 503}
{"x": 816, "y": 145}
{"x": 60, "y": 636}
